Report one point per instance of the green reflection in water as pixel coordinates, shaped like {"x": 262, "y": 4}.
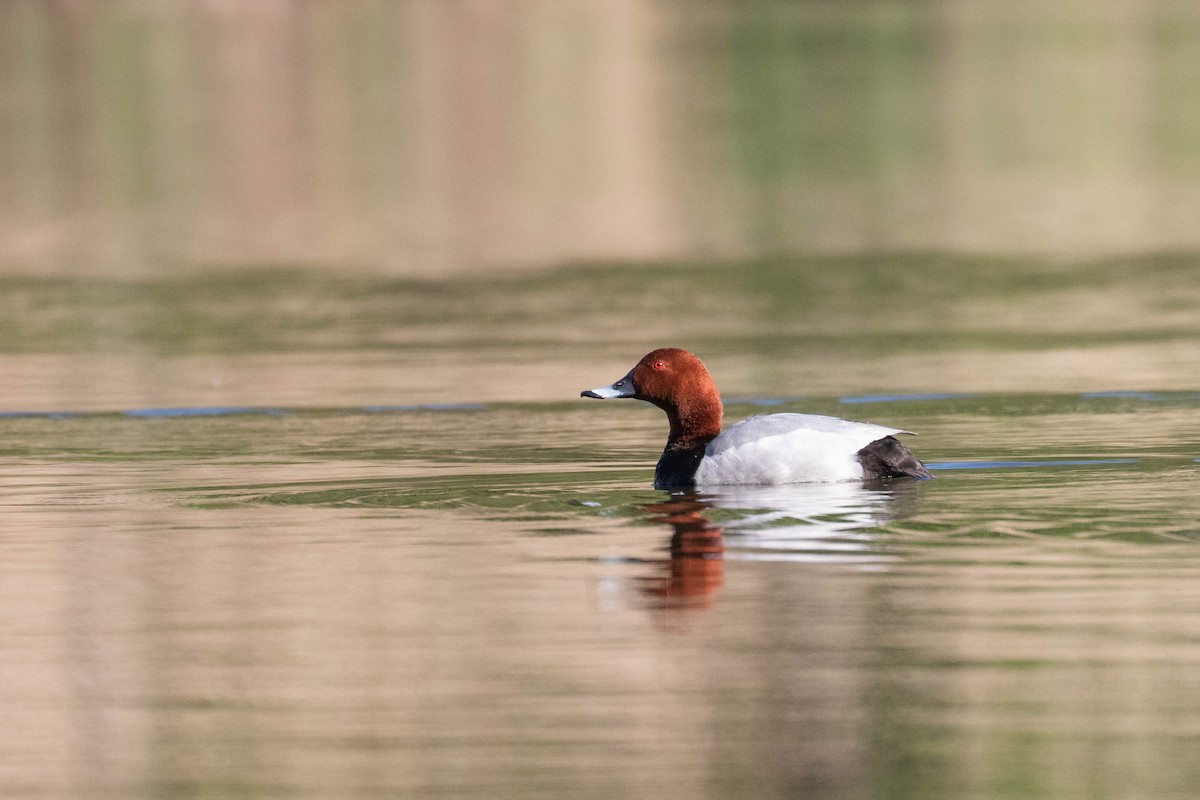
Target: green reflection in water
{"x": 884, "y": 303}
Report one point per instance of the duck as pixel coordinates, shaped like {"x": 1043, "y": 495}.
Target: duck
{"x": 765, "y": 450}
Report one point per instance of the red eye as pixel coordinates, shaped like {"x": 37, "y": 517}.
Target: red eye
{"x": 659, "y": 365}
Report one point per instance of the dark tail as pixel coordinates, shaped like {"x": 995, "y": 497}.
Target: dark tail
{"x": 888, "y": 458}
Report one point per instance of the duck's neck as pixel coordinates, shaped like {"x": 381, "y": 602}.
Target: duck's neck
{"x": 693, "y": 426}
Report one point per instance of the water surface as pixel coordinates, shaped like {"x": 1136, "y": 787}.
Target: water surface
{"x": 297, "y": 536}
{"x": 492, "y": 601}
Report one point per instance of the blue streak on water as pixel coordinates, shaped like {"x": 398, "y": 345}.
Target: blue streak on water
{"x": 428, "y": 407}
{"x": 200, "y": 411}
{"x": 228, "y": 411}
{"x": 900, "y": 398}
{"x": 1080, "y": 462}
{"x": 1122, "y": 395}
{"x": 760, "y": 401}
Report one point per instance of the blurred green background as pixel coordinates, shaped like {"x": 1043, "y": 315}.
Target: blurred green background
{"x": 430, "y": 138}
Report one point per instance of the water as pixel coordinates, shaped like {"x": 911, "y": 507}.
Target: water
{"x": 292, "y": 535}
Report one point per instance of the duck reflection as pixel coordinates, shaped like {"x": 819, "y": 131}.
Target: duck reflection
{"x": 830, "y": 523}
{"x": 696, "y": 567}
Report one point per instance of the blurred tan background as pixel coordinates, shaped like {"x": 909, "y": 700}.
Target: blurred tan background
{"x": 435, "y": 137}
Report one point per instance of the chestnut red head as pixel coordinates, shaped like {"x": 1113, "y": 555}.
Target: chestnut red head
{"x": 675, "y": 381}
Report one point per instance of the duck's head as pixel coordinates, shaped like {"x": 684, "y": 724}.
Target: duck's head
{"x": 674, "y": 380}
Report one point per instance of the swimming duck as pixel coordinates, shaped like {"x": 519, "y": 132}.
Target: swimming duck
{"x": 767, "y": 449}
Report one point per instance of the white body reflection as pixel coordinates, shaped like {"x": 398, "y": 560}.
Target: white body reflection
{"x": 829, "y": 522}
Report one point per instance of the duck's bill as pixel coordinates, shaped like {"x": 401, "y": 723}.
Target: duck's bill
{"x": 622, "y": 388}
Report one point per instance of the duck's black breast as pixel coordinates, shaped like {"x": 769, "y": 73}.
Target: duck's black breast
{"x": 677, "y": 467}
